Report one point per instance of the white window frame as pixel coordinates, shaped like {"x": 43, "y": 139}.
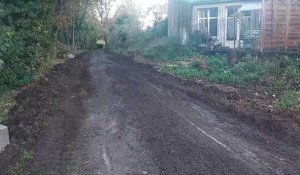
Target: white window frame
{"x": 208, "y": 18}
{"x": 238, "y": 27}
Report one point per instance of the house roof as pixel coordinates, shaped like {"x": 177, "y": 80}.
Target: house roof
{"x": 209, "y": 1}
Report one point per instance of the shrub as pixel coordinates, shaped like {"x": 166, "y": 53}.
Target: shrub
{"x": 25, "y": 40}
{"x": 250, "y": 72}
{"x": 166, "y": 48}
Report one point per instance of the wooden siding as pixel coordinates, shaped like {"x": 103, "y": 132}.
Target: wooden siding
{"x": 281, "y": 25}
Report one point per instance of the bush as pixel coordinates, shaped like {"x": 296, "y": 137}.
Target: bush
{"x": 250, "y": 72}
{"x": 166, "y": 48}
{"x": 25, "y": 40}
{"x": 219, "y": 71}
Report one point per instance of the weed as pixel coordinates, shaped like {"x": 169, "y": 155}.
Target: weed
{"x": 289, "y": 100}
{"x": 6, "y": 102}
{"x": 20, "y": 169}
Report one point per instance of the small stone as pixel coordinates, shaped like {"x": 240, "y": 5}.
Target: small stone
{"x": 145, "y": 173}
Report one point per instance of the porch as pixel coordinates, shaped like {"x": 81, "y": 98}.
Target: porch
{"x": 232, "y": 24}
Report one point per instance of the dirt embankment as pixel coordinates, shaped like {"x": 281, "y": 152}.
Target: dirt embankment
{"x": 250, "y": 107}
{"x": 49, "y": 110}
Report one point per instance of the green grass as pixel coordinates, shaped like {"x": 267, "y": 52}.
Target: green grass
{"x": 285, "y": 73}
{"x": 219, "y": 71}
{"x": 20, "y": 168}
{"x": 6, "y": 102}
{"x": 181, "y": 71}
{"x": 289, "y": 100}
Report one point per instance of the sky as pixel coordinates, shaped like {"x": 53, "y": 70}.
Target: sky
{"x": 145, "y": 4}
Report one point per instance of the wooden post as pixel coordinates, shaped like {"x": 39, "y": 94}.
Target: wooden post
{"x": 287, "y": 26}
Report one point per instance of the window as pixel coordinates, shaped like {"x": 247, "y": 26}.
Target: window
{"x": 250, "y": 22}
{"x": 232, "y": 24}
{"x": 245, "y": 22}
{"x": 208, "y": 21}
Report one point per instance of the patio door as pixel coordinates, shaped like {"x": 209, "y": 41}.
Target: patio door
{"x": 232, "y": 27}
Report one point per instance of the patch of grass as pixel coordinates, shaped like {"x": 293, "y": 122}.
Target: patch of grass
{"x": 249, "y": 72}
{"x": 6, "y": 102}
{"x": 278, "y": 75}
{"x": 181, "y": 71}
{"x": 20, "y": 168}
{"x": 289, "y": 100}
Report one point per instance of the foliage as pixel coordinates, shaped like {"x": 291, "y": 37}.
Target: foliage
{"x": 126, "y": 34}
{"x": 250, "y": 72}
{"x": 76, "y": 23}
{"x": 25, "y": 39}
{"x": 281, "y": 74}
{"x": 20, "y": 168}
{"x": 166, "y": 48}
{"x": 6, "y": 102}
{"x": 243, "y": 73}
{"x": 289, "y": 100}
{"x": 286, "y": 70}
{"x": 181, "y": 71}
{"x": 124, "y": 30}
{"x": 29, "y": 31}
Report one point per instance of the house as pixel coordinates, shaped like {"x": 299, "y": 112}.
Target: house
{"x": 264, "y": 25}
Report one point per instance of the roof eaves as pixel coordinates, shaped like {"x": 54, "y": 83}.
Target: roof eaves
{"x": 209, "y": 1}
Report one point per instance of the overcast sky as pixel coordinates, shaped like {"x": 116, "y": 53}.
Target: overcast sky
{"x": 145, "y": 4}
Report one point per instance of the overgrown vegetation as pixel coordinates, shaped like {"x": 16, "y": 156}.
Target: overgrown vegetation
{"x": 219, "y": 71}
{"x": 279, "y": 75}
{"x": 33, "y": 32}
{"x": 6, "y": 102}
{"x": 127, "y": 36}
{"x": 20, "y": 168}
{"x": 152, "y": 43}
{"x": 25, "y": 40}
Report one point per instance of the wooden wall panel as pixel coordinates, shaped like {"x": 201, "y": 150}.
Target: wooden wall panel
{"x": 281, "y": 25}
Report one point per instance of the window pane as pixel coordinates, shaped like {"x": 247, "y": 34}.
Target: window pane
{"x": 256, "y": 19}
{"x": 203, "y": 26}
{"x": 231, "y": 11}
{"x": 213, "y": 28}
{"x": 203, "y": 13}
{"x": 213, "y": 12}
{"x": 245, "y": 26}
{"x": 246, "y": 13}
{"x": 231, "y": 29}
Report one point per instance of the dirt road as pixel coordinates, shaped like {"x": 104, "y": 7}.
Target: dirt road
{"x": 136, "y": 121}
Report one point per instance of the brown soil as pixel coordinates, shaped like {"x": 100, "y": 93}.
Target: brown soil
{"x": 43, "y": 114}
{"x": 251, "y": 106}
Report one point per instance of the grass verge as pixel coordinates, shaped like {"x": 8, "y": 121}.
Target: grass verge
{"x": 279, "y": 76}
